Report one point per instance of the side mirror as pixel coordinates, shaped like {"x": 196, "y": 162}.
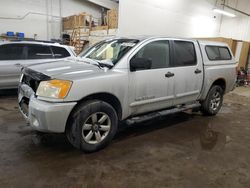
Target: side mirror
{"x": 140, "y": 64}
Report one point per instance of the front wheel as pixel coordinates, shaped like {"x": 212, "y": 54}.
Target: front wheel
{"x": 213, "y": 102}
{"x": 92, "y": 126}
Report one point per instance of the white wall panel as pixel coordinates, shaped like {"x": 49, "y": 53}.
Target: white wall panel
{"x": 184, "y": 18}
{"x": 45, "y": 27}
{"x": 70, "y": 7}
{"x": 238, "y": 27}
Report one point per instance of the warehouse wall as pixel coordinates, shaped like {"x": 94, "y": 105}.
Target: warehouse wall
{"x": 242, "y": 31}
{"x": 192, "y": 18}
{"x": 46, "y": 27}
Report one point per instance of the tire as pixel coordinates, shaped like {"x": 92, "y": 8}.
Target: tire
{"x": 213, "y": 102}
{"x": 92, "y": 126}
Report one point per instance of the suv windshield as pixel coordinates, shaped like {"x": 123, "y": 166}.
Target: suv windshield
{"x": 110, "y": 51}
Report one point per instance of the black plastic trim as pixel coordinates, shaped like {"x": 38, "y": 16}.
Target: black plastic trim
{"x": 36, "y": 75}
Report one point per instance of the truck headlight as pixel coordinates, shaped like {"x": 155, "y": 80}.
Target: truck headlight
{"x": 57, "y": 89}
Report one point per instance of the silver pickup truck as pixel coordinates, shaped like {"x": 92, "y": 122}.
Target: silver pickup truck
{"x": 125, "y": 79}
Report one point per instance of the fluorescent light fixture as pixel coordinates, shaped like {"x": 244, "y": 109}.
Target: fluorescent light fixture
{"x": 224, "y": 12}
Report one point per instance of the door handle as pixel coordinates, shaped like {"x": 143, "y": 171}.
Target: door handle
{"x": 197, "y": 71}
{"x": 169, "y": 74}
{"x": 18, "y": 65}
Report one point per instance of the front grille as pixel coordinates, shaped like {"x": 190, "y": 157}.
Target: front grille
{"x": 33, "y": 78}
{"x": 28, "y": 87}
{"x": 31, "y": 82}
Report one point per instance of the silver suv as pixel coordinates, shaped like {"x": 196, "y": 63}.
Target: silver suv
{"x": 125, "y": 79}
{"x": 15, "y": 55}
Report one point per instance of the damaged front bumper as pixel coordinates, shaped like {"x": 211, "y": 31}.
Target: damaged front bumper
{"x": 42, "y": 115}
{"x": 24, "y": 94}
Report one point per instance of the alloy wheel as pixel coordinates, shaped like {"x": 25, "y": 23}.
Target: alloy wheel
{"x": 96, "y": 128}
{"x": 215, "y": 101}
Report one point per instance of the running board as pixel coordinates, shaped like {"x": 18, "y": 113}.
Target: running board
{"x": 153, "y": 115}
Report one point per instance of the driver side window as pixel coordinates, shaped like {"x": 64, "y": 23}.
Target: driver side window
{"x": 158, "y": 52}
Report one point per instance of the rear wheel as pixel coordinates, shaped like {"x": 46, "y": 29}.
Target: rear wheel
{"x": 92, "y": 126}
{"x": 213, "y": 102}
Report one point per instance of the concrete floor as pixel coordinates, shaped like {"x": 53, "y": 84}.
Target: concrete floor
{"x": 182, "y": 150}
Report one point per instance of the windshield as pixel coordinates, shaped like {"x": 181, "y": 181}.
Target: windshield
{"x": 110, "y": 51}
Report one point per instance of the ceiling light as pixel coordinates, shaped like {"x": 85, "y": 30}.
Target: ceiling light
{"x": 224, "y": 12}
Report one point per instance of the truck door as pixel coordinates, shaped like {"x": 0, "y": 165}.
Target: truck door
{"x": 150, "y": 89}
{"x": 188, "y": 71}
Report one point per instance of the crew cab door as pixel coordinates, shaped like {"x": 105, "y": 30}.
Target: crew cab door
{"x": 150, "y": 89}
{"x": 187, "y": 68}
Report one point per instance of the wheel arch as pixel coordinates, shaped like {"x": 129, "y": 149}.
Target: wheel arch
{"x": 103, "y": 96}
{"x": 220, "y": 82}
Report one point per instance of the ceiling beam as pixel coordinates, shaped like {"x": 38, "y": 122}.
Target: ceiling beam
{"x": 109, "y": 4}
{"x": 237, "y": 10}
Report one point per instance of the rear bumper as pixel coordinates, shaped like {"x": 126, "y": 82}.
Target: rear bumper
{"x": 47, "y": 116}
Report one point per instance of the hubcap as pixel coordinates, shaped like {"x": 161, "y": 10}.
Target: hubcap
{"x": 215, "y": 101}
{"x": 96, "y": 128}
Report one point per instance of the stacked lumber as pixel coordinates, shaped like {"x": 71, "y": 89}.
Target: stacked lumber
{"x": 112, "y": 18}
{"x": 77, "y": 21}
{"x": 96, "y": 28}
{"x": 78, "y": 27}
{"x": 81, "y": 29}
{"x": 99, "y": 35}
{"x": 111, "y": 21}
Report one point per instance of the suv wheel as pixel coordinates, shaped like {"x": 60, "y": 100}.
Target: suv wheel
{"x": 213, "y": 102}
{"x": 92, "y": 126}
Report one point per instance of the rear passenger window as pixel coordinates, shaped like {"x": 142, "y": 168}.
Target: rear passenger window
{"x": 39, "y": 52}
{"x": 213, "y": 52}
{"x": 218, "y": 53}
{"x": 184, "y": 54}
{"x": 12, "y": 52}
{"x": 59, "y": 52}
{"x": 158, "y": 52}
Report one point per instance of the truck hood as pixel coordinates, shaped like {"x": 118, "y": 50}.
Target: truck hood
{"x": 66, "y": 68}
